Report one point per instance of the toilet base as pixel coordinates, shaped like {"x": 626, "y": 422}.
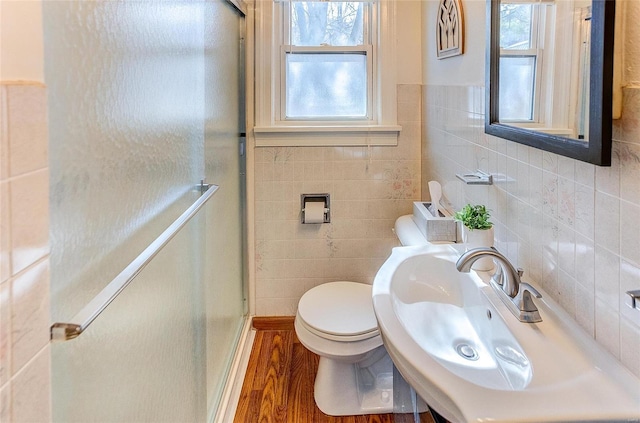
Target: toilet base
{"x": 346, "y": 389}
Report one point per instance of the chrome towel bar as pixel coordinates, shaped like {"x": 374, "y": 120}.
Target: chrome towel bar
{"x": 82, "y": 320}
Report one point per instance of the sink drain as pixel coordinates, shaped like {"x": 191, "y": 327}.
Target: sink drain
{"x": 467, "y": 351}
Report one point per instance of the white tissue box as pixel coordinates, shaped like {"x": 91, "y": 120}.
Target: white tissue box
{"x": 435, "y": 228}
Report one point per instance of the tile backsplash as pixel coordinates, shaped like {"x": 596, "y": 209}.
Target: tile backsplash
{"x": 573, "y": 227}
{"x": 369, "y": 187}
{"x": 24, "y": 254}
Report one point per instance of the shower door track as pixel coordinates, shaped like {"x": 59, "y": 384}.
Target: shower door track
{"x": 64, "y": 331}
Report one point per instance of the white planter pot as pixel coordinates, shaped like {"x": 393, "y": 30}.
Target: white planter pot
{"x": 479, "y": 238}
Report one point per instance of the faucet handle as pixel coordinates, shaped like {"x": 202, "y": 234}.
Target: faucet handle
{"x": 526, "y": 287}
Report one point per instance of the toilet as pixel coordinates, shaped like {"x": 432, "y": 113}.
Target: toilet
{"x": 355, "y": 374}
{"x": 336, "y": 321}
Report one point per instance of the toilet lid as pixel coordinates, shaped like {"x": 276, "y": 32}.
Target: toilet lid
{"x": 339, "y": 308}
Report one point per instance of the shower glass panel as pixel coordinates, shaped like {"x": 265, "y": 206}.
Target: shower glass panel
{"x": 146, "y": 98}
{"x": 142, "y": 359}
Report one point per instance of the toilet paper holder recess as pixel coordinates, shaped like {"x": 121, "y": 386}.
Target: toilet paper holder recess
{"x": 315, "y": 198}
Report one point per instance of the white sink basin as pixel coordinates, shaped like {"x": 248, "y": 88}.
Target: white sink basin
{"x": 471, "y": 360}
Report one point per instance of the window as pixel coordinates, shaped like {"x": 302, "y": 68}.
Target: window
{"x": 520, "y": 61}
{"x": 538, "y": 71}
{"x": 327, "y": 55}
{"x": 323, "y": 73}
{"x": 326, "y": 86}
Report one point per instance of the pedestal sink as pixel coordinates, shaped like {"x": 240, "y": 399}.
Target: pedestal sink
{"x": 471, "y": 360}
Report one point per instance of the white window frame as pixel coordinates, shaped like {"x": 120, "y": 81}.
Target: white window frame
{"x": 272, "y": 128}
{"x": 536, "y": 51}
{"x": 554, "y": 70}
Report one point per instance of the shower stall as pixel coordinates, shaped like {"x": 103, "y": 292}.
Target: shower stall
{"x": 146, "y": 106}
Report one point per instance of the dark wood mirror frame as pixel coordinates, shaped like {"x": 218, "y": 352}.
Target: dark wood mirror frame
{"x": 598, "y": 148}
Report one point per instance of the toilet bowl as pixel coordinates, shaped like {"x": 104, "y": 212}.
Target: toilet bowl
{"x": 336, "y": 321}
{"x": 355, "y": 374}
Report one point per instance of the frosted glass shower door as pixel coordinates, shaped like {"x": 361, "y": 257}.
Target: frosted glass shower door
{"x": 143, "y": 358}
{"x": 146, "y": 98}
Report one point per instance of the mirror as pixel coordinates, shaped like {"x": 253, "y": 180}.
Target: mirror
{"x": 549, "y": 75}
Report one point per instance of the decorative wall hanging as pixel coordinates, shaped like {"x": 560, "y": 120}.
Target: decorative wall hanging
{"x": 449, "y": 29}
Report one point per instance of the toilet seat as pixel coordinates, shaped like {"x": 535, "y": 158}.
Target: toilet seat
{"x": 339, "y": 311}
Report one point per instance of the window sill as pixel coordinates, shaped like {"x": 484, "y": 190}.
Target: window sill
{"x": 561, "y": 131}
{"x": 325, "y": 136}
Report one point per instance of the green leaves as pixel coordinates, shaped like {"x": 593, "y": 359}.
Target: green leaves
{"x": 474, "y": 217}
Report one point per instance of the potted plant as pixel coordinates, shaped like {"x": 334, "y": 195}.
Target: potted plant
{"x": 477, "y": 231}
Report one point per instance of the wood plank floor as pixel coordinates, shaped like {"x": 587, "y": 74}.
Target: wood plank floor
{"x": 278, "y": 385}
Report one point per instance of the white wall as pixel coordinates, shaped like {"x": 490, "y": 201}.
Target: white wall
{"x": 21, "y": 57}
{"x": 631, "y": 40}
{"x": 466, "y": 69}
{"x": 409, "y": 41}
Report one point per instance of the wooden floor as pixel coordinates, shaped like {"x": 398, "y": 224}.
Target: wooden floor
{"x": 278, "y": 386}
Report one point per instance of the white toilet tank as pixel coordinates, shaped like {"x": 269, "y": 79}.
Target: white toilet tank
{"x": 408, "y": 233}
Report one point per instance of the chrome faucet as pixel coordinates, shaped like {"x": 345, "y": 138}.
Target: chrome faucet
{"x": 506, "y": 281}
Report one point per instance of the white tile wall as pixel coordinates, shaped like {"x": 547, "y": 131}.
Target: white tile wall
{"x": 24, "y": 255}
{"x": 573, "y": 227}
{"x": 369, "y": 187}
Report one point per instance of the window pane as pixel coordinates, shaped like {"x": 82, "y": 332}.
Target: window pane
{"x": 326, "y": 85}
{"x": 331, "y": 23}
{"x": 517, "y": 82}
{"x": 516, "y": 26}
